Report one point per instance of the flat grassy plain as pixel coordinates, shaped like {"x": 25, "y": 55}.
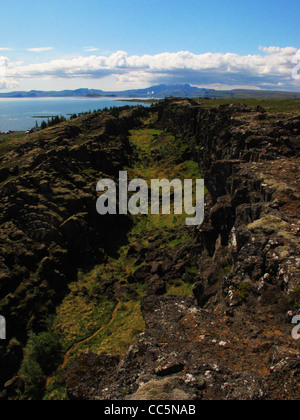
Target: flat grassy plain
{"x": 284, "y": 106}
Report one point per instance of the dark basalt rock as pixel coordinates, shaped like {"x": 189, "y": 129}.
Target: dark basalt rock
{"x": 86, "y": 374}
{"x": 157, "y": 286}
{"x": 49, "y": 224}
{"x": 247, "y": 251}
{"x": 170, "y": 351}
{"x": 232, "y": 340}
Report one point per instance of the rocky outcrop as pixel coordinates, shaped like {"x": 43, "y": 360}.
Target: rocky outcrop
{"x": 251, "y": 170}
{"x": 49, "y": 224}
{"x": 188, "y": 353}
{"x": 233, "y": 341}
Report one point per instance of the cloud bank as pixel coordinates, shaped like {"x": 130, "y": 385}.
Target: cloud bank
{"x": 272, "y": 68}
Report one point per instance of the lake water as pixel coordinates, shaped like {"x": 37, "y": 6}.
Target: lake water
{"x": 16, "y": 114}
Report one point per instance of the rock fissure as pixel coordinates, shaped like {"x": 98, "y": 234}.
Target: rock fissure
{"x": 216, "y": 301}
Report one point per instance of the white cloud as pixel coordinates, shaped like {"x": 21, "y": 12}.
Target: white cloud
{"x": 272, "y": 69}
{"x": 9, "y": 84}
{"x": 278, "y": 50}
{"x": 90, "y": 49}
{"x": 38, "y": 50}
{"x": 6, "y": 82}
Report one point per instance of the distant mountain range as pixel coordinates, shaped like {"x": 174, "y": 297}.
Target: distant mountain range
{"x": 157, "y": 92}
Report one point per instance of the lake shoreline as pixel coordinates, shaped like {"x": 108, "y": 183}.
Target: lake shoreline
{"x": 16, "y": 114}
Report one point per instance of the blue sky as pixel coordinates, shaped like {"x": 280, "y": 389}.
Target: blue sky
{"x": 115, "y": 44}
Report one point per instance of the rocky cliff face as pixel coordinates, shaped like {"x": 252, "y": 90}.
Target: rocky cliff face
{"x": 232, "y": 339}
{"x": 251, "y": 169}
{"x": 48, "y": 218}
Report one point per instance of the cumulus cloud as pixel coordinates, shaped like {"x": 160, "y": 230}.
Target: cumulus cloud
{"x": 272, "y": 68}
{"x": 277, "y": 50}
{"x": 7, "y": 82}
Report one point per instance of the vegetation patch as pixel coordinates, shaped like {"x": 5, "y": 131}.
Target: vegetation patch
{"x": 285, "y": 106}
{"x": 117, "y": 338}
{"x": 293, "y": 301}
{"x": 244, "y": 290}
{"x": 179, "y": 288}
{"x": 43, "y": 354}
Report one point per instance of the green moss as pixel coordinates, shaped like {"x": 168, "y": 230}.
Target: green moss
{"x": 293, "y": 301}
{"x": 179, "y": 288}
{"x": 184, "y": 239}
{"x": 79, "y": 317}
{"x": 9, "y": 142}
{"x": 56, "y": 390}
{"x": 90, "y": 172}
{"x": 119, "y": 335}
{"x": 244, "y": 290}
{"x": 163, "y": 390}
{"x": 268, "y": 224}
{"x": 223, "y": 272}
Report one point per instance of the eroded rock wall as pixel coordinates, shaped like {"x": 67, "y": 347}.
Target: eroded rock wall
{"x": 233, "y": 341}
{"x": 48, "y": 218}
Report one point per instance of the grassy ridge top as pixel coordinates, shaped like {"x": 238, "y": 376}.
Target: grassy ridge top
{"x": 270, "y": 105}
